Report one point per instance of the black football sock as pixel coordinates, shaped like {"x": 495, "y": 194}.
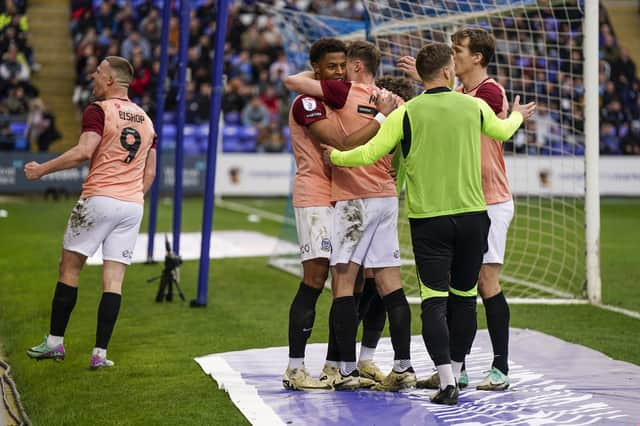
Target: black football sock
{"x": 64, "y": 300}
{"x": 399, "y": 323}
{"x": 498, "y": 315}
{"x": 107, "y": 316}
{"x": 302, "y": 315}
{"x": 373, "y": 322}
{"x": 344, "y": 324}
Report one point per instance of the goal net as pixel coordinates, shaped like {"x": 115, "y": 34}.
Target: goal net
{"x": 538, "y": 56}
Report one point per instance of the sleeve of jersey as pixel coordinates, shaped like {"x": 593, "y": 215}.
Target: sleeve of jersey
{"x": 306, "y": 110}
{"x": 388, "y": 136}
{"x": 496, "y": 128}
{"x": 93, "y": 119}
{"x": 492, "y": 95}
{"x": 335, "y": 92}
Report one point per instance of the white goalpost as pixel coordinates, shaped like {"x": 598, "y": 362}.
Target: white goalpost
{"x": 545, "y": 51}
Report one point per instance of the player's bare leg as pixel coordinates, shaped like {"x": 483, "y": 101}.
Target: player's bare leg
{"x": 497, "y": 310}
{"x": 64, "y": 300}
{"x": 389, "y": 286}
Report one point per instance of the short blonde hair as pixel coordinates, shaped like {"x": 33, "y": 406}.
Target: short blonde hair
{"x": 121, "y": 68}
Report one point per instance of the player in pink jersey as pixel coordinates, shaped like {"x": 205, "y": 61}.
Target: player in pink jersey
{"x": 309, "y": 119}
{"x": 313, "y": 211}
{"x": 119, "y": 140}
{"x": 474, "y": 48}
{"x": 365, "y": 222}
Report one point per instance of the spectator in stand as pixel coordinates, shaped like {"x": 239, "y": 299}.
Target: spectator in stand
{"x": 623, "y": 65}
{"x": 7, "y": 138}
{"x": 279, "y": 68}
{"x": 272, "y": 102}
{"x": 17, "y": 102}
{"x": 234, "y": 99}
{"x": 105, "y": 17}
{"x": 141, "y": 76}
{"x": 84, "y": 83}
{"x": 12, "y": 16}
{"x": 151, "y": 26}
{"x": 41, "y": 126}
{"x": 270, "y": 139}
{"x": 12, "y": 68}
{"x": 255, "y": 114}
{"x": 609, "y": 139}
{"x": 135, "y": 40}
{"x": 630, "y": 143}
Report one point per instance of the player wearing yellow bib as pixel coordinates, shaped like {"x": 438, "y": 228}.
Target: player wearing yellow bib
{"x": 440, "y": 144}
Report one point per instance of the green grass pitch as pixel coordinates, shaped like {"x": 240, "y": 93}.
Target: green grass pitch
{"x": 156, "y": 381}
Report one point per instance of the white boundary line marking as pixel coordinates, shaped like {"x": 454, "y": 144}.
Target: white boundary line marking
{"x": 240, "y": 392}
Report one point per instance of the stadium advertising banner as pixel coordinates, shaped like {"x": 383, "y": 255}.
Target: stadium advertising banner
{"x": 237, "y": 174}
{"x": 270, "y": 175}
{"x": 564, "y": 176}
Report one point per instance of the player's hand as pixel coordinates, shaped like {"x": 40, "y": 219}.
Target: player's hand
{"x": 526, "y": 110}
{"x": 326, "y": 153}
{"x": 408, "y": 65}
{"x": 386, "y": 102}
{"x": 32, "y": 170}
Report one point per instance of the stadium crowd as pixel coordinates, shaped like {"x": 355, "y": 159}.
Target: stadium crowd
{"x": 24, "y": 119}
{"x": 255, "y": 101}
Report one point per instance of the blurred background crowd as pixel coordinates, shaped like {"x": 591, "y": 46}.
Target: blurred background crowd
{"x": 255, "y": 102}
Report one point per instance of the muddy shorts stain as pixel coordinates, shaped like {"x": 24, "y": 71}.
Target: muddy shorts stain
{"x": 352, "y": 216}
{"x": 81, "y": 219}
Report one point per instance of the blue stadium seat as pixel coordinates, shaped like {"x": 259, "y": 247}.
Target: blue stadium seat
{"x": 190, "y": 130}
{"x": 169, "y": 117}
{"x": 203, "y": 131}
{"x": 232, "y": 117}
{"x": 248, "y": 133}
{"x": 168, "y": 131}
{"x": 18, "y": 128}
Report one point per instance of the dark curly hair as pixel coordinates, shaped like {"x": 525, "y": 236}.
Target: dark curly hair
{"x": 401, "y": 86}
{"x": 323, "y": 46}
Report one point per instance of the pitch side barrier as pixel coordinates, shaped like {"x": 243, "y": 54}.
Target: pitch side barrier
{"x": 268, "y": 175}
{"x": 236, "y": 175}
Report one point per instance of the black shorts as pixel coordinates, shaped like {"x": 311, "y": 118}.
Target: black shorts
{"x": 448, "y": 249}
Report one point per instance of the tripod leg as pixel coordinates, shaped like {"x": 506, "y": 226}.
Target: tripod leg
{"x": 161, "y": 289}
{"x": 179, "y": 290}
{"x": 169, "y": 289}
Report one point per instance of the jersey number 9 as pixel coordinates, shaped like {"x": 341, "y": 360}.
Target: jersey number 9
{"x": 131, "y": 147}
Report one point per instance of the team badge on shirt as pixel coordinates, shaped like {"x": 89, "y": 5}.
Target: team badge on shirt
{"x": 309, "y": 104}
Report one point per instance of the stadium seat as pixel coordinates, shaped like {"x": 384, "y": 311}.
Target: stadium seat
{"x": 232, "y": 117}
{"x": 169, "y": 117}
{"x": 18, "y": 129}
{"x": 168, "y": 131}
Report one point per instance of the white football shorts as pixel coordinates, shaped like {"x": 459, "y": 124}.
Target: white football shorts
{"x": 500, "y": 215}
{"x": 104, "y": 220}
{"x": 314, "y": 225}
{"x": 365, "y": 231}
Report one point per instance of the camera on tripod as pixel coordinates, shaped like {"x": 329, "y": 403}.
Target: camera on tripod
{"x": 169, "y": 276}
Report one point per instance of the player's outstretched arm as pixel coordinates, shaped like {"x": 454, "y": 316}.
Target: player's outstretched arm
{"x": 77, "y": 155}
{"x": 502, "y": 130}
{"x": 407, "y": 64}
{"x": 389, "y": 135}
{"x": 304, "y": 82}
